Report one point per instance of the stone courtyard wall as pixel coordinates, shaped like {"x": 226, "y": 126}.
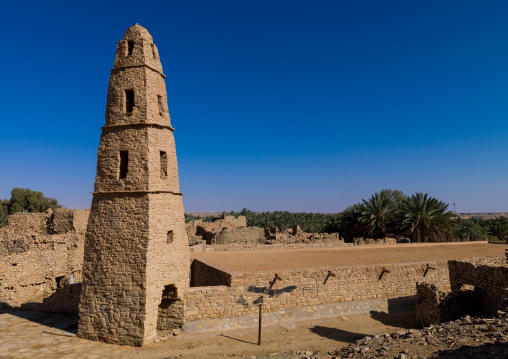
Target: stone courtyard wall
{"x": 38, "y": 253}
{"x": 310, "y": 287}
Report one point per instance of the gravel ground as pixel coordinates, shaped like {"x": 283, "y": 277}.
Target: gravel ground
{"x": 463, "y": 338}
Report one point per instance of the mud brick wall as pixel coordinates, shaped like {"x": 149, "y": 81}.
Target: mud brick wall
{"x": 308, "y": 287}
{"x": 209, "y": 230}
{"x": 489, "y": 274}
{"x": 240, "y": 235}
{"x": 38, "y": 253}
{"x": 434, "y": 306}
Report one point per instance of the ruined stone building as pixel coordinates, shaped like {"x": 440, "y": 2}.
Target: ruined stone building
{"x": 136, "y": 258}
{"x": 133, "y": 262}
{"x": 40, "y": 252}
{"x": 479, "y": 286}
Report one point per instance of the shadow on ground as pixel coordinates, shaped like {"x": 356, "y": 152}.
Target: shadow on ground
{"x": 336, "y": 334}
{"x": 401, "y": 319}
{"x": 401, "y": 313}
{"x": 239, "y": 340}
{"x": 66, "y": 323}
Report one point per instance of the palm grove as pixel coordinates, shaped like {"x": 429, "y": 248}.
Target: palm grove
{"x": 389, "y": 213}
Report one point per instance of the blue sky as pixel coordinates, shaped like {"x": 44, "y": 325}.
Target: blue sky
{"x": 278, "y": 105}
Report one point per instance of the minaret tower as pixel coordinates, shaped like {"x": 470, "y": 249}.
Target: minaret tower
{"x": 136, "y": 263}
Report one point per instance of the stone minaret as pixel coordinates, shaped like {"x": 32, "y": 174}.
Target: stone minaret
{"x": 136, "y": 262}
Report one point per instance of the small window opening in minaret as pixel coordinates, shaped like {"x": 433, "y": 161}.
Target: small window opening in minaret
{"x": 153, "y": 52}
{"x": 164, "y": 164}
{"x": 160, "y": 101}
{"x": 124, "y": 164}
{"x": 130, "y": 47}
{"x": 170, "y": 237}
{"x": 129, "y": 101}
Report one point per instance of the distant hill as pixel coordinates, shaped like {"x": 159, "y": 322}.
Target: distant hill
{"x": 484, "y": 215}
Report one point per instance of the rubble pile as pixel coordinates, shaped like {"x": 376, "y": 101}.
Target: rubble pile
{"x": 295, "y": 235}
{"x": 468, "y": 337}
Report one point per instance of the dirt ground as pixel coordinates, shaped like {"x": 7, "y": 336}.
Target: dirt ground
{"x": 46, "y": 335}
{"x": 294, "y": 259}
{"x": 314, "y": 335}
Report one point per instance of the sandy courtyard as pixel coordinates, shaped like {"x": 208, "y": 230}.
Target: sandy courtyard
{"x": 293, "y": 259}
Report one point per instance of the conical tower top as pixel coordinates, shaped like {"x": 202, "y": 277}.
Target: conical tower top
{"x": 137, "y": 91}
{"x": 137, "y": 49}
{"x": 137, "y": 32}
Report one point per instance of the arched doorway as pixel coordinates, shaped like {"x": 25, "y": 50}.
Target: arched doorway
{"x": 171, "y": 309}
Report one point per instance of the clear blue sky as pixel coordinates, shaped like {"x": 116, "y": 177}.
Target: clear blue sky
{"x": 277, "y": 105}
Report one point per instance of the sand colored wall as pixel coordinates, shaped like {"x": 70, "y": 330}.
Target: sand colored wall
{"x": 240, "y": 235}
{"x": 35, "y": 250}
{"x": 203, "y": 275}
{"x": 488, "y": 274}
{"x": 63, "y": 301}
{"x": 434, "y": 306}
{"x": 307, "y": 287}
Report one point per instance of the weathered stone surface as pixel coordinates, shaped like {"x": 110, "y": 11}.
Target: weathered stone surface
{"x": 64, "y": 220}
{"x": 219, "y": 293}
{"x": 209, "y": 230}
{"x": 33, "y": 262}
{"x": 240, "y": 235}
{"x": 435, "y": 306}
{"x": 136, "y": 262}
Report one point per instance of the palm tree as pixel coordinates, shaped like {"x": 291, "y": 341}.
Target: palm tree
{"x": 471, "y": 229}
{"x": 498, "y": 227}
{"x": 424, "y": 219}
{"x": 376, "y": 215}
{"x": 348, "y": 222}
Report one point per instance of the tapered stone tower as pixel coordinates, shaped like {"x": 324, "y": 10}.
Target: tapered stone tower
{"x": 136, "y": 262}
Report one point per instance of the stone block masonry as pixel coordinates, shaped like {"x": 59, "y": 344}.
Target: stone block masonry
{"x": 136, "y": 258}
{"x": 300, "y": 288}
{"x": 487, "y": 274}
{"x": 434, "y": 306}
{"x": 39, "y": 252}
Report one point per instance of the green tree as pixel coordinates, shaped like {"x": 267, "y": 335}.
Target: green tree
{"x": 394, "y": 195}
{"x": 471, "y": 229}
{"x": 349, "y": 223}
{"x": 3, "y": 213}
{"x": 26, "y": 200}
{"x": 498, "y": 227}
{"x": 190, "y": 217}
{"x": 376, "y": 215}
{"x": 424, "y": 219}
